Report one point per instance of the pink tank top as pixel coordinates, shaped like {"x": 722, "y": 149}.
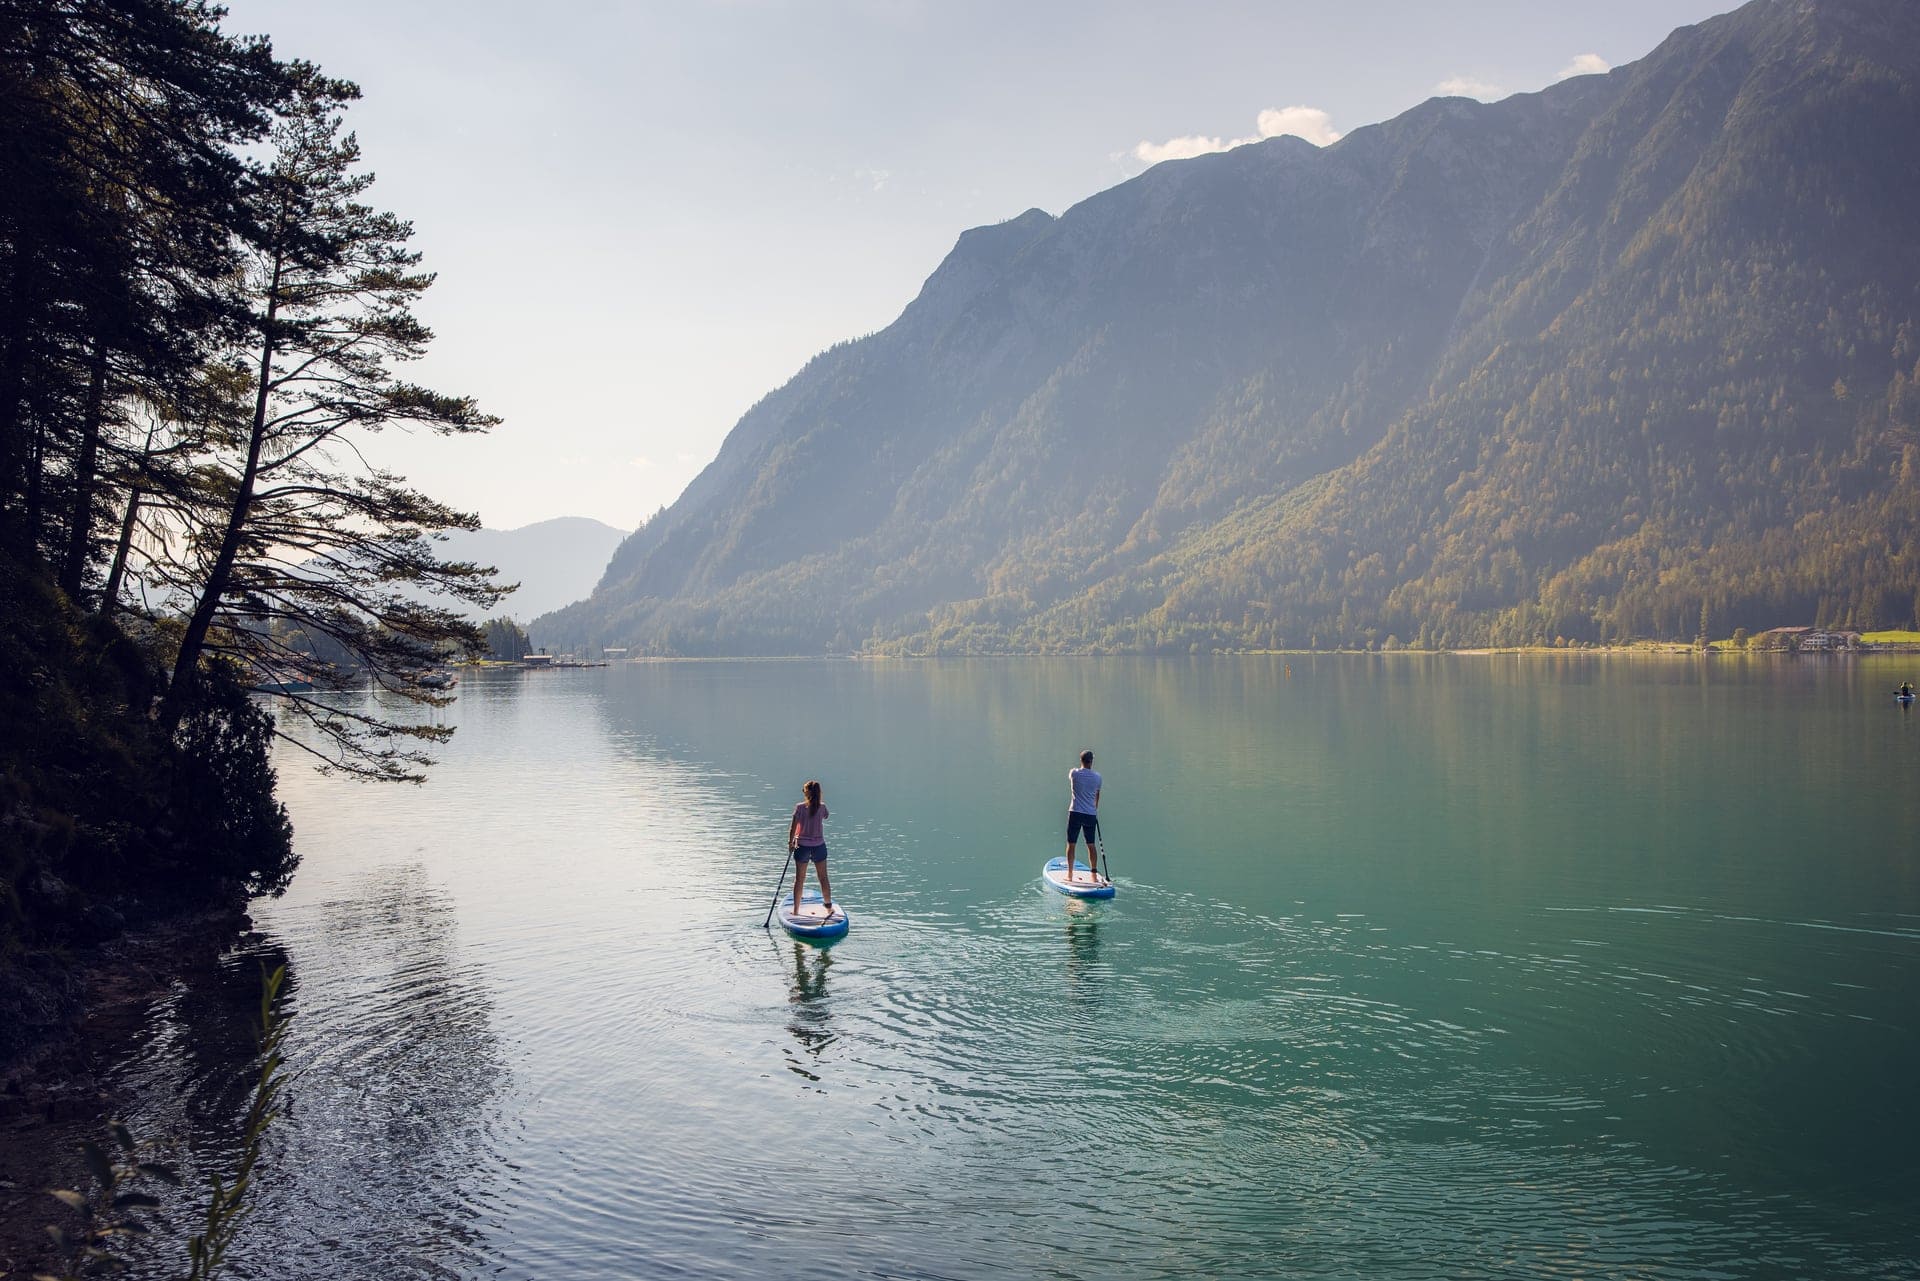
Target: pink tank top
{"x": 810, "y": 833}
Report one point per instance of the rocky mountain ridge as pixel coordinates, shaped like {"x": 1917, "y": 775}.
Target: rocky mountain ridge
{"x": 1591, "y": 363}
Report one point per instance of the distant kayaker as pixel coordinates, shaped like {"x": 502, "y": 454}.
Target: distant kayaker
{"x": 1083, "y": 813}
{"x": 1905, "y": 690}
{"x": 809, "y": 844}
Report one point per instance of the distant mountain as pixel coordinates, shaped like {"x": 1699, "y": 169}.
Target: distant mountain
{"x": 1630, "y": 355}
{"x": 555, "y": 561}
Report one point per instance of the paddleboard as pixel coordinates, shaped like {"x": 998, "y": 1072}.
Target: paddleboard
{"x": 1903, "y": 698}
{"x": 813, "y": 920}
{"x": 1084, "y": 884}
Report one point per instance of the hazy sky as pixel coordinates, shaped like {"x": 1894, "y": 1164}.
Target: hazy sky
{"x": 645, "y": 216}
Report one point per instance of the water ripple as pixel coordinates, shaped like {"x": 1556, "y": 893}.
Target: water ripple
{"x": 542, "y": 1033}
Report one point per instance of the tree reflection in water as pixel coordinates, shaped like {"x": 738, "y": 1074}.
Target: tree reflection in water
{"x": 385, "y": 1158}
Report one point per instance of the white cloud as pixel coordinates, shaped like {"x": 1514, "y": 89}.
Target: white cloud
{"x": 1469, "y": 87}
{"x": 1177, "y": 148}
{"x": 1311, "y": 123}
{"x": 1587, "y": 64}
{"x": 639, "y": 460}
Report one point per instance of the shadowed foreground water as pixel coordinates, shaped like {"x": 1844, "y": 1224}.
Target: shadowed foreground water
{"x": 1441, "y": 967}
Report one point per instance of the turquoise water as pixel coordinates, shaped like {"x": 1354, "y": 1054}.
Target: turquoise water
{"x": 1420, "y": 967}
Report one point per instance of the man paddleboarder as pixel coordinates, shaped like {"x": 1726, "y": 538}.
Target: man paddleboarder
{"x": 1083, "y": 813}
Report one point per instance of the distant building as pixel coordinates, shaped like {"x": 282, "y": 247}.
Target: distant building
{"x": 1816, "y": 641}
{"x": 1806, "y": 640}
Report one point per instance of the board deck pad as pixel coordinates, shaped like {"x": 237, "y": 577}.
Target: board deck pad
{"x": 1084, "y": 885}
{"x": 812, "y": 921}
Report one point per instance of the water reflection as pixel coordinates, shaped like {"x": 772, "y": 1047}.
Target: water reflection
{"x": 192, "y": 1075}
{"x": 1395, "y": 991}
{"x": 1083, "y": 941}
{"x": 398, "y": 1109}
{"x": 810, "y": 1016}
{"x": 382, "y": 1162}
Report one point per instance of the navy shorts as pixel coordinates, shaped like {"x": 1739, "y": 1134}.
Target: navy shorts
{"x": 809, "y": 853}
{"x": 1078, "y": 823}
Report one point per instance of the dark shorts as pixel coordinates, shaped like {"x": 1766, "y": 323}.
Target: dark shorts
{"x": 809, "y": 853}
{"x": 1078, "y": 823}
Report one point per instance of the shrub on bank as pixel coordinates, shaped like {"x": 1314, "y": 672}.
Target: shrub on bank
{"x": 104, "y": 821}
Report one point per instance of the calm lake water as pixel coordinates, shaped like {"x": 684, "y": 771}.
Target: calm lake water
{"x": 1435, "y": 967}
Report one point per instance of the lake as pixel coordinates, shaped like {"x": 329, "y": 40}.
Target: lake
{"x": 1421, "y": 966}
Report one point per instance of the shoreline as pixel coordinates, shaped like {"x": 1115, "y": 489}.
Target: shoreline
{"x": 1778, "y": 641}
{"x": 53, "y": 1091}
{"x": 1653, "y": 649}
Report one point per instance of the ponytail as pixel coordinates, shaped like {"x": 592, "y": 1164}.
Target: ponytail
{"x": 812, "y": 789}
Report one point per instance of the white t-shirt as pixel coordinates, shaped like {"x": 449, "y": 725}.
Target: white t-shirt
{"x": 1086, "y": 791}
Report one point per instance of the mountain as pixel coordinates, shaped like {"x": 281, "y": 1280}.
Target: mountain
{"x": 554, "y": 561}
{"x": 1630, "y": 356}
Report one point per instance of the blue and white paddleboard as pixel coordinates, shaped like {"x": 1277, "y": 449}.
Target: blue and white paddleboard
{"x": 813, "y": 920}
{"x": 1086, "y": 882}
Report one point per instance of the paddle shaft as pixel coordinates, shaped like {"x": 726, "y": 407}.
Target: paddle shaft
{"x": 1100, "y": 834}
{"x": 781, "y": 885}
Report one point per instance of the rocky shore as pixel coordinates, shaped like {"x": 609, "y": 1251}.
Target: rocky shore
{"x": 83, "y": 1015}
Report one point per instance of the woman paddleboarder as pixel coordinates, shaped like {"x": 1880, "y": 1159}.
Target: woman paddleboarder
{"x": 809, "y": 845}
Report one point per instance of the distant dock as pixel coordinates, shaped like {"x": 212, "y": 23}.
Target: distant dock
{"x": 547, "y": 662}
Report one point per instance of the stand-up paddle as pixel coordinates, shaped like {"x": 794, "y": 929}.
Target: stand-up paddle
{"x": 1106, "y": 864}
{"x": 777, "y": 888}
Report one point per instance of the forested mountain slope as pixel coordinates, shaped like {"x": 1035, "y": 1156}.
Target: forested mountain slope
{"x": 1584, "y": 363}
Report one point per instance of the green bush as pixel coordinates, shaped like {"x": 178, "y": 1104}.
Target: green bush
{"x": 223, "y": 795}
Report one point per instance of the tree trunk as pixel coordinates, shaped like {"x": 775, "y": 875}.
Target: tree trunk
{"x": 14, "y": 328}
{"x": 36, "y": 480}
{"x": 73, "y": 570}
{"x": 110, "y": 595}
{"x": 186, "y": 666}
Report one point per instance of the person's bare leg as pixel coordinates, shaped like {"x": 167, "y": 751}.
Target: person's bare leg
{"x": 799, "y": 879}
{"x": 1069, "y": 862}
{"x": 826, "y": 887}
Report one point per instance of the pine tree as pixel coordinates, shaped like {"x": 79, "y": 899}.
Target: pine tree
{"x": 296, "y": 531}
{"x": 118, "y": 183}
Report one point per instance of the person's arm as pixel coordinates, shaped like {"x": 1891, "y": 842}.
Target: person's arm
{"x": 1096, "y": 800}
{"x": 793, "y": 833}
